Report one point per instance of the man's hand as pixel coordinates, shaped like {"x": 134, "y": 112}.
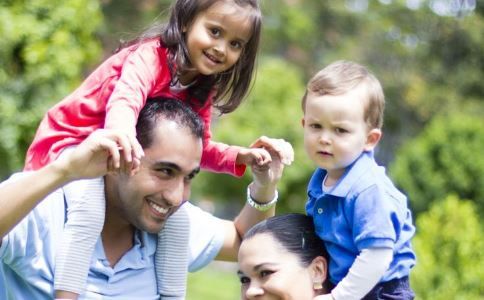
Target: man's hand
{"x": 97, "y": 155}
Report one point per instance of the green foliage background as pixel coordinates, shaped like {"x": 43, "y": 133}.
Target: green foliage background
{"x": 430, "y": 63}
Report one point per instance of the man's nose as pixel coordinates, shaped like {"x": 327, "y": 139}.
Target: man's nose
{"x": 174, "y": 193}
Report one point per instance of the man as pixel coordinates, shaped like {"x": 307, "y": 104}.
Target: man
{"x": 33, "y": 212}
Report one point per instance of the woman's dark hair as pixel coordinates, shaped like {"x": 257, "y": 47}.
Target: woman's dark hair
{"x": 233, "y": 84}
{"x": 168, "y": 109}
{"x": 296, "y": 234}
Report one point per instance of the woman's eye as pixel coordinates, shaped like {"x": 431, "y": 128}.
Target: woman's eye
{"x": 265, "y": 273}
{"x": 244, "y": 280}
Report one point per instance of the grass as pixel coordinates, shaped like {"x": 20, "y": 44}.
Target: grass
{"x": 217, "y": 281}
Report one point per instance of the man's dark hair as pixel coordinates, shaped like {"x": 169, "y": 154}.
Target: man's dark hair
{"x": 167, "y": 109}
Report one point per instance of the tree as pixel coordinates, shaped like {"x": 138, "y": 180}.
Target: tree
{"x": 450, "y": 260}
{"x": 445, "y": 158}
{"x": 273, "y": 109}
{"x": 44, "y": 49}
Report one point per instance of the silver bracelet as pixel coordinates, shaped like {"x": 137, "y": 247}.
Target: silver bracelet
{"x": 261, "y": 206}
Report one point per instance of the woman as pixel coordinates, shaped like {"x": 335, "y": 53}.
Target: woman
{"x": 282, "y": 258}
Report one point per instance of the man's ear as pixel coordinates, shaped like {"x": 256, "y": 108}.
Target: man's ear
{"x": 372, "y": 139}
{"x": 319, "y": 269}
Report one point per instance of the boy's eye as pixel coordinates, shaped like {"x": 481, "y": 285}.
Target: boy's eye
{"x": 341, "y": 130}
{"x": 315, "y": 126}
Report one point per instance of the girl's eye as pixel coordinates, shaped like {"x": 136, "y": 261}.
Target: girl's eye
{"x": 215, "y": 32}
{"x": 265, "y": 273}
{"x": 236, "y": 45}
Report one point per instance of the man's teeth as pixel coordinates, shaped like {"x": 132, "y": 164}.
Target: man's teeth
{"x": 158, "y": 208}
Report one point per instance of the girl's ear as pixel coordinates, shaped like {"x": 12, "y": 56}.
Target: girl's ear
{"x": 319, "y": 271}
{"x": 372, "y": 139}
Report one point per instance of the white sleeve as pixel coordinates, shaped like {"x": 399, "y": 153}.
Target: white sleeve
{"x": 364, "y": 274}
{"x": 206, "y": 237}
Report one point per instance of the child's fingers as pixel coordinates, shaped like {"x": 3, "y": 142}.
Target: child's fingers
{"x": 136, "y": 147}
{"x": 125, "y": 144}
{"x": 283, "y": 149}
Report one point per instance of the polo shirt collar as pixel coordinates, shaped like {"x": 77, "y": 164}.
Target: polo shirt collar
{"x": 351, "y": 175}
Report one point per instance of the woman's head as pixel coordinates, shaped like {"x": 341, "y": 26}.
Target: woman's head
{"x": 282, "y": 258}
{"x": 217, "y": 39}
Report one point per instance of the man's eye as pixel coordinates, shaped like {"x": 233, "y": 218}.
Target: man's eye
{"x": 165, "y": 171}
{"x": 190, "y": 177}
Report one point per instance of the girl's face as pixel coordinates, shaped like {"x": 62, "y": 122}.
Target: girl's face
{"x": 217, "y": 36}
{"x": 268, "y": 271}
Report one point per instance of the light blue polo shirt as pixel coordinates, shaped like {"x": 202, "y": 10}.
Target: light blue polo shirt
{"x": 363, "y": 210}
{"x": 28, "y": 252}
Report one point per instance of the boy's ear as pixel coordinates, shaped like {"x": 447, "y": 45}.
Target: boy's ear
{"x": 372, "y": 139}
{"x": 303, "y": 122}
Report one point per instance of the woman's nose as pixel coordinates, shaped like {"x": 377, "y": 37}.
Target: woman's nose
{"x": 254, "y": 290}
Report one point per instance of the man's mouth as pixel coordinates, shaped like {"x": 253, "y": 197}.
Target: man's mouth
{"x": 160, "y": 210}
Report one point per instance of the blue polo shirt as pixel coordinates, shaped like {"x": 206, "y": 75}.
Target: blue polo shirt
{"x": 27, "y": 256}
{"x": 362, "y": 210}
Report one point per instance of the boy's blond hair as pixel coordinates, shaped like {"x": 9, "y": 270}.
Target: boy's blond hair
{"x": 341, "y": 77}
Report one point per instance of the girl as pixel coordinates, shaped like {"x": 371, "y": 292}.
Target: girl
{"x": 205, "y": 55}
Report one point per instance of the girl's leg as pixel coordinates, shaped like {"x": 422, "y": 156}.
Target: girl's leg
{"x": 86, "y": 208}
{"x": 171, "y": 260}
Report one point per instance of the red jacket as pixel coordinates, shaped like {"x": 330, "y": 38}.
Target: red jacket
{"x": 127, "y": 78}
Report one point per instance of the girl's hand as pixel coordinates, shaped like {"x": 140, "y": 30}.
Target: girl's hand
{"x": 324, "y": 297}
{"x": 281, "y": 147}
{"x": 253, "y": 157}
{"x": 99, "y": 153}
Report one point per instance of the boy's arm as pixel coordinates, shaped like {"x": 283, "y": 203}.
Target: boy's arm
{"x": 94, "y": 157}
{"x": 364, "y": 274}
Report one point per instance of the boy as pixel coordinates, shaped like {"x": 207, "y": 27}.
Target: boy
{"x": 358, "y": 213}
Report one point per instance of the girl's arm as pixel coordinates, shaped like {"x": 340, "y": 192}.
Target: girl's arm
{"x": 88, "y": 160}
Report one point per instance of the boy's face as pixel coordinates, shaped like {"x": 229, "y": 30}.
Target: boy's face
{"x": 335, "y": 132}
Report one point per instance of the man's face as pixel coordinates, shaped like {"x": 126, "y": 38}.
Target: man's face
{"x": 147, "y": 198}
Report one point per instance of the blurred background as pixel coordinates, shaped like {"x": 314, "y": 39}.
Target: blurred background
{"x": 429, "y": 56}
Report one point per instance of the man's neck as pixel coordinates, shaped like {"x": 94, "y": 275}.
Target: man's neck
{"x": 117, "y": 234}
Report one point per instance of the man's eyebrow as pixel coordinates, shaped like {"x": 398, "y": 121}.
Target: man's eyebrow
{"x": 165, "y": 164}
